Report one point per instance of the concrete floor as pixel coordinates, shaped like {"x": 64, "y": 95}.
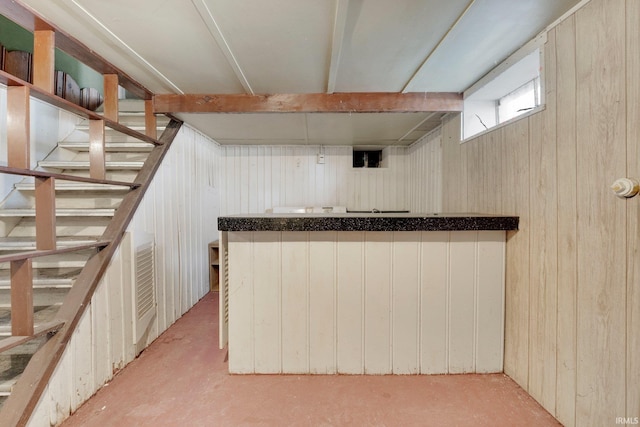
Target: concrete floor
{"x": 182, "y": 379}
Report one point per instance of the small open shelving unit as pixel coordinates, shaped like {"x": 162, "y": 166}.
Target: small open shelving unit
{"x": 214, "y": 266}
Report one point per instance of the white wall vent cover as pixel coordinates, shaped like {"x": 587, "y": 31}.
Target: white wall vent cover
{"x": 145, "y": 282}
{"x": 144, "y": 287}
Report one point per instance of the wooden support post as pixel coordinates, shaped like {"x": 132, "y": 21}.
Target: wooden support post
{"x": 150, "y": 124}
{"x": 18, "y": 137}
{"x": 111, "y": 97}
{"x": 44, "y": 42}
{"x": 97, "y": 156}
{"x": 21, "y": 298}
{"x": 45, "y": 213}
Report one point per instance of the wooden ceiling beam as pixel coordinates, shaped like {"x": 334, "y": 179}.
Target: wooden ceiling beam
{"x": 356, "y": 102}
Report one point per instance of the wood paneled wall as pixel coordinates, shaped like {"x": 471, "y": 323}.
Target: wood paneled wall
{"x": 256, "y": 178}
{"x": 572, "y": 336}
{"x": 424, "y": 173}
{"x": 356, "y": 302}
{"x": 180, "y": 209}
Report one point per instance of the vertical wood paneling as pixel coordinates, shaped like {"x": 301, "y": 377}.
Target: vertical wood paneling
{"x": 100, "y": 335}
{"x": 366, "y": 302}
{"x": 322, "y": 308}
{"x": 569, "y": 306}
{"x": 349, "y": 301}
{"x": 475, "y": 174}
{"x": 377, "y": 304}
{"x": 405, "y": 302}
{"x": 241, "y": 324}
{"x": 57, "y": 398}
{"x": 544, "y": 251}
{"x": 454, "y": 167}
{"x": 567, "y": 219}
{"x": 633, "y": 210}
{"x": 434, "y": 323}
{"x": 461, "y": 297}
{"x": 81, "y": 368}
{"x": 489, "y": 336}
{"x": 267, "y": 294}
{"x": 601, "y": 158}
{"x": 424, "y": 177}
{"x": 295, "y": 302}
{"x": 259, "y": 178}
{"x": 493, "y": 178}
{"x": 516, "y": 202}
{"x": 117, "y": 316}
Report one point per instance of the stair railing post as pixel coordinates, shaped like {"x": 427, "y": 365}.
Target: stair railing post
{"x": 22, "y": 297}
{"x": 150, "y": 122}
{"x": 111, "y": 97}
{"x": 44, "y": 43}
{"x": 18, "y": 132}
{"x": 45, "y": 213}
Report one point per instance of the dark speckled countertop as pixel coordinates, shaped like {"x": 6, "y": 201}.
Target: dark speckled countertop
{"x": 367, "y": 222}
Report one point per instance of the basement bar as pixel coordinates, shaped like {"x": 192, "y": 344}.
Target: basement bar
{"x": 363, "y": 293}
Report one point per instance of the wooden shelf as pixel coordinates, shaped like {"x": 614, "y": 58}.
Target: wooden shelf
{"x": 214, "y": 266}
{"x": 30, "y": 21}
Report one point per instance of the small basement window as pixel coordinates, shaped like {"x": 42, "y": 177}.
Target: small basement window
{"x": 367, "y": 158}
{"x": 512, "y": 89}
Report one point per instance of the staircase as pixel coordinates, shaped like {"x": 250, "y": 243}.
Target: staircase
{"x": 83, "y": 212}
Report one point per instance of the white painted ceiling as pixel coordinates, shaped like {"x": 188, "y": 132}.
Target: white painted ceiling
{"x": 305, "y": 46}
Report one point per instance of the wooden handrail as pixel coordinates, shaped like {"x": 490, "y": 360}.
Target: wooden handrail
{"x": 27, "y": 391}
{"x": 36, "y": 92}
{"x": 65, "y": 177}
{"x": 40, "y": 330}
{"x": 47, "y": 252}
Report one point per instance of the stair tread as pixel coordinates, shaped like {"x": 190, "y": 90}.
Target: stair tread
{"x": 109, "y": 146}
{"x": 45, "y": 277}
{"x": 59, "y": 212}
{"x": 70, "y": 164}
{"x": 18, "y": 244}
{"x": 42, "y": 297}
{"x": 75, "y": 259}
{"x": 73, "y": 186}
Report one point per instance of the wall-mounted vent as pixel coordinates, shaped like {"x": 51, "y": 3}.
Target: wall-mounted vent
{"x": 223, "y": 336}
{"x": 145, "y": 281}
{"x": 140, "y": 249}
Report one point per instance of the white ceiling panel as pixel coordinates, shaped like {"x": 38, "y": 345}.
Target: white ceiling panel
{"x": 282, "y": 46}
{"x": 385, "y": 42}
{"x": 250, "y": 126}
{"x": 489, "y": 32}
{"x": 313, "y": 128}
{"x": 288, "y": 46}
